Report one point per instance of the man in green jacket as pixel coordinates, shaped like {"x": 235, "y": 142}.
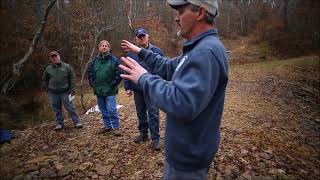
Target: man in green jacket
{"x": 104, "y": 78}
{"x": 59, "y": 80}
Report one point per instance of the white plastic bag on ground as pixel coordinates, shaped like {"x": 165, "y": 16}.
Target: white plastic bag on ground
{"x": 96, "y": 108}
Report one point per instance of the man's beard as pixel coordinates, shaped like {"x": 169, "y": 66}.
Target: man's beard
{"x": 105, "y": 53}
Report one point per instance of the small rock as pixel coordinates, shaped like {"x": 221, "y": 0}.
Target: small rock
{"x": 303, "y": 171}
{"x": 265, "y": 156}
{"x": 85, "y": 166}
{"x": 244, "y": 152}
{"x": 219, "y": 177}
{"x": 37, "y": 159}
{"x": 103, "y": 170}
{"x": 110, "y": 161}
{"x": 95, "y": 176}
{"x": 253, "y": 148}
{"x": 115, "y": 146}
{"x": 243, "y": 160}
{"x": 65, "y": 171}
{"x": 31, "y": 167}
{"x": 58, "y": 165}
{"x": 44, "y": 148}
{"x": 47, "y": 173}
{"x": 34, "y": 173}
{"x": 138, "y": 172}
{"x": 245, "y": 176}
{"x": 72, "y": 156}
{"x": 277, "y": 171}
{"x": 44, "y": 164}
{"x": 269, "y": 151}
{"x": 158, "y": 174}
{"x": 262, "y": 165}
{"x": 316, "y": 171}
{"x": 90, "y": 174}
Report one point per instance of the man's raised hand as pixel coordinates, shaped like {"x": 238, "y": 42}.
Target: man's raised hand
{"x": 128, "y": 46}
{"x": 133, "y": 69}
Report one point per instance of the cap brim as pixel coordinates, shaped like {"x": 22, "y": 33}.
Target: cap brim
{"x": 140, "y": 34}
{"x": 177, "y": 3}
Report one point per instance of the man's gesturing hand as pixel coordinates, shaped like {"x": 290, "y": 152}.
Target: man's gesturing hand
{"x": 133, "y": 69}
{"x": 128, "y": 46}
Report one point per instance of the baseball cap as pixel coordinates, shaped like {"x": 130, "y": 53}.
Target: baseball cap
{"x": 140, "y": 31}
{"x": 210, "y": 5}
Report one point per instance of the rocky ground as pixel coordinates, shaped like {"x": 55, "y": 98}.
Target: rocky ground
{"x": 270, "y": 130}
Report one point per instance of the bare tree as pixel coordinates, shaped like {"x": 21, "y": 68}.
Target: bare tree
{"x": 87, "y": 27}
{"x": 11, "y": 79}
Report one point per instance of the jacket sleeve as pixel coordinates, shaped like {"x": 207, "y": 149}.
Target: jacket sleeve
{"x": 72, "y": 80}
{"x": 158, "y": 64}
{"x": 158, "y": 51}
{"x": 90, "y": 74}
{"x": 183, "y": 96}
{"x": 126, "y": 84}
{"x": 116, "y": 78}
{"x": 45, "y": 79}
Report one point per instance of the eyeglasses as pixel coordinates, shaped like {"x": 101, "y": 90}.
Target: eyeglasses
{"x": 53, "y": 55}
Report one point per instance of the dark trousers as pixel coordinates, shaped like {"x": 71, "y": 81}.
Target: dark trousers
{"x": 148, "y": 116}
{"x": 56, "y": 100}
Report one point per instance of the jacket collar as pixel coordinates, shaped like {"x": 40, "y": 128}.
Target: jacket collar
{"x": 99, "y": 56}
{"x": 188, "y": 45}
{"x": 56, "y": 65}
{"x": 149, "y": 46}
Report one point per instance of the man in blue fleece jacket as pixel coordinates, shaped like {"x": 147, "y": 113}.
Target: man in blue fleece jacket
{"x": 148, "y": 114}
{"x": 193, "y": 93}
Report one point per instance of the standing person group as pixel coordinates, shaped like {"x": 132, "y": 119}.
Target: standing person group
{"x": 193, "y": 98}
{"x": 148, "y": 113}
{"x": 189, "y": 88}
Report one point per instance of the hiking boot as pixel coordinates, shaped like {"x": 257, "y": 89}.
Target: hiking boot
{"x": 105, "y": 130}
{"x": 141, "y": 138}
{"x": 58, "y": 127}
{"x": 156, "y": 145}
{"x": 117, "y": 132}
{"x": 78, "y": 125}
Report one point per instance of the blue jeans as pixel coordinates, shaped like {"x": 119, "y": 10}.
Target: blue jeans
{"x": 172, "y": 174}
{"x": 108, "y": 109}
{"x": 144, "y": 108}
{"x": 56, "y": 100}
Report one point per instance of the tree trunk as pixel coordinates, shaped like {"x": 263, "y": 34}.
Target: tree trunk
{"x": 285, "y": 14}
{"x": 84, "y": 70}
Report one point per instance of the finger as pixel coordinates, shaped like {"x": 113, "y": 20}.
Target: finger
{"x": 124, "y": 45}
{"x": 125, "y": 76}
{"x": 128, "y": 61}
{"x": 125, "y": 49}
{"x": 125, "y": 68}
{"x": 125, "y": 42}
{"x": 132, "y": 60}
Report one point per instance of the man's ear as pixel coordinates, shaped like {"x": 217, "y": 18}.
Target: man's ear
{"x": 201, "y": 13}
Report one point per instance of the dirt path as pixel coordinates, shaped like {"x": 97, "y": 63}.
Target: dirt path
{"x": 270, "y": 130}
